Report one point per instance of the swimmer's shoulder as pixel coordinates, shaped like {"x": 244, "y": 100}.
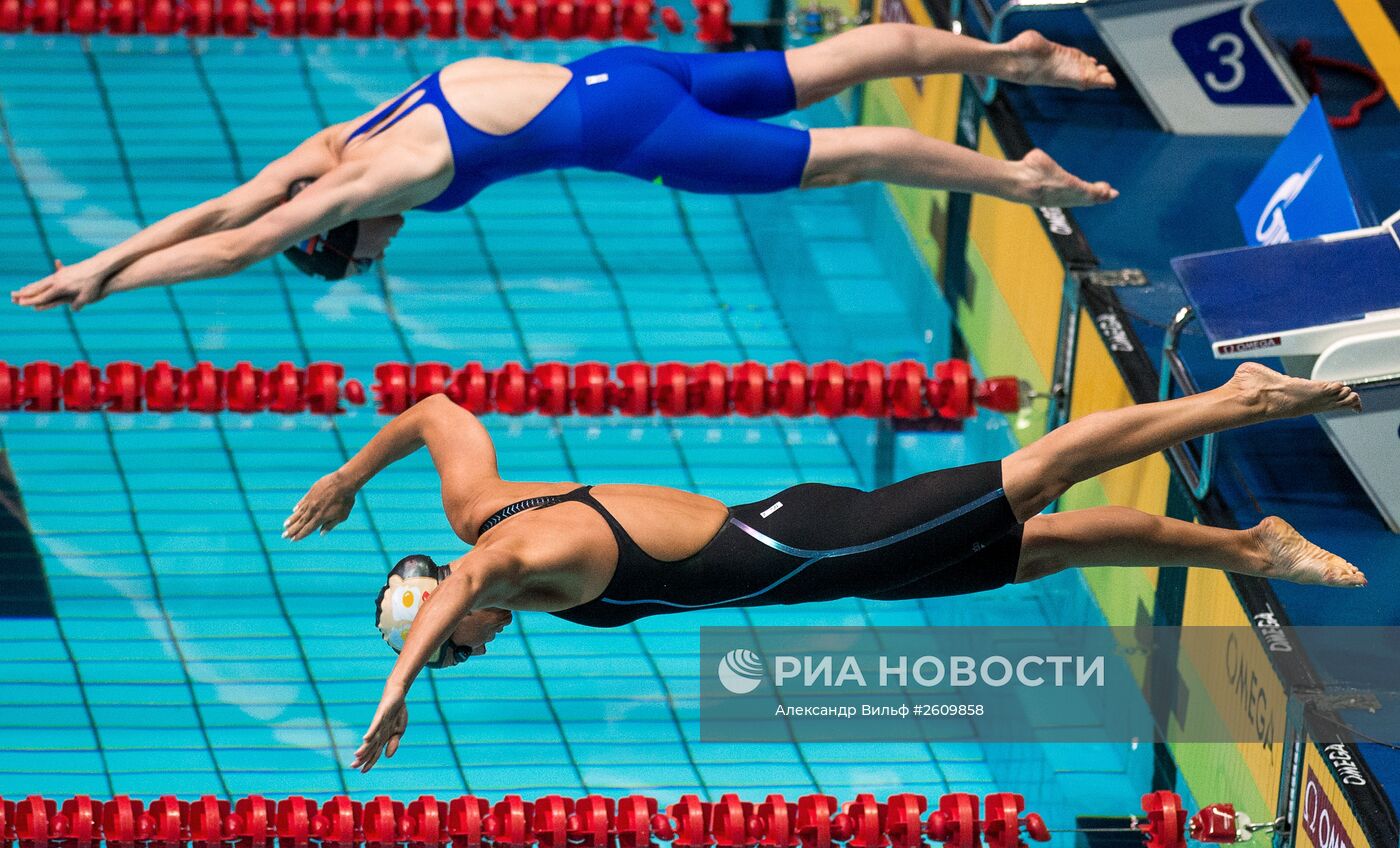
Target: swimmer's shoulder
{"x": 554, "y": 553}
{"x": 466, "y": 514}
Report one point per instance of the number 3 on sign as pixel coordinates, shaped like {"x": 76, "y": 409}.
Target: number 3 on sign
{"x": 1229, "y": 50}
{"x": 1228, "y": 61}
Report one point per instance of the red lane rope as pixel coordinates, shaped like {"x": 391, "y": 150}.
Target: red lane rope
{"x": 960, "y": 820}
{"x": 1308, "y": 62}
{"x": 599, "y": 20}
{"x": 868, "y": 389}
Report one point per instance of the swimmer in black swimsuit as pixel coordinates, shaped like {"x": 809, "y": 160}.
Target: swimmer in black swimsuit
{"x": 608, "y": 555}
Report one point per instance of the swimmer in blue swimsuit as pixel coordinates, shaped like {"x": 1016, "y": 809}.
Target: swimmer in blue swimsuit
{"x": 606, "y": 556}
{"x": 693, "y": 122}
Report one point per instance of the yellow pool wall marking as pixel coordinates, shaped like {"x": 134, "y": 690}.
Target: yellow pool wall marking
{"x": 1376, "y": 32}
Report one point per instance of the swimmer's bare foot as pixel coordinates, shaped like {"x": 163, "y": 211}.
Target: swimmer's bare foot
{"x": 1042, "y": 182}
{"x": 1288, "y": 556}
{"x": 1274, "y": 396}
{"x": 1033, "y": 59}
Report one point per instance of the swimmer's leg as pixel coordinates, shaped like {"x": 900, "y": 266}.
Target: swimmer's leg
{"x": 1039, "y": 473}
{"x": 905, "y": 157}
{"x": 883, "y": 51}
{"x": 845, "y": 155}
{"x": 697, "y": 150}
{"x": 1118, "y": 536}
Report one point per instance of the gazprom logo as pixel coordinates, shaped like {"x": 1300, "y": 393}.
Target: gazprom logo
{"x": 740, "y": 671}
{"x": 1272, "y": 228}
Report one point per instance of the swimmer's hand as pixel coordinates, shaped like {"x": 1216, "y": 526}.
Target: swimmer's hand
{"x": 327, "y": 504}
{"x": 385, "y": 732}
{"x": 76, "y": 285}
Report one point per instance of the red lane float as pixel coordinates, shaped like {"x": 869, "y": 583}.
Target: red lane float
{"x": 599, "y": 20}
{"x": 901, "y": 390}
{"x": 812, "y": 821}
{"x": 483, "y": 19}
{"x": 1165, "y": 815}
{"x": 444, "y": 18}
{"x": 712, "y": 26}
{"x": 169, "y": 823}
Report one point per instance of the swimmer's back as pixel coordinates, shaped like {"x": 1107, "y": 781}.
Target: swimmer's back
{"x": 500, "y": 96}
{"x": 569, "y": 550}
{"x": 494, "y": 95}
{"x": 667, "y": 523}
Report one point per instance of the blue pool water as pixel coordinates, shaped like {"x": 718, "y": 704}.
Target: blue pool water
{"x": 195, "y": 651}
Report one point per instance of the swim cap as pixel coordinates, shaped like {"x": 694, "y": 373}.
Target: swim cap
{"x": 331, "y": 254}
{"x": 412, "y": 581}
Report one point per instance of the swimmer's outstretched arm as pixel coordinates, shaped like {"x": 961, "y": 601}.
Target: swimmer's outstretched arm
{"x": 461, "y": 449}
{"x": 487, "y": 576}
{"x": 335, "y": 198}
{"x": 83, "y": 282}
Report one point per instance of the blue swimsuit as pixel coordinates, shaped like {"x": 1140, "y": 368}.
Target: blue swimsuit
{"x": 686, "y": 120}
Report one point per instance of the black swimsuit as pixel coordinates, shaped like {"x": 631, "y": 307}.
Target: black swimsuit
{"x": 946, "y": 532}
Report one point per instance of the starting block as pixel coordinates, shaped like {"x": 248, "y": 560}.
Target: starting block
{"x": 1327, "y": 304}
{"x": 1330, "y": 308}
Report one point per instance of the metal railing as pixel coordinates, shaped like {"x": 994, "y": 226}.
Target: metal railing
{"x": 1197, "y": 475}
{"x": 996, "y": 27}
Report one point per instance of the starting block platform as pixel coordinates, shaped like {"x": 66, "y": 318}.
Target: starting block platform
{"x": 1330, "y": 308}
{"x": 1296, "y": 299}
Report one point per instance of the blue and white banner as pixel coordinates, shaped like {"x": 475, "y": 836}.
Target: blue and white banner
{"x": 1302, "y": 191}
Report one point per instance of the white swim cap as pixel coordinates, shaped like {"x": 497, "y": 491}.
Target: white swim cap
{"x": 411, "y": 582}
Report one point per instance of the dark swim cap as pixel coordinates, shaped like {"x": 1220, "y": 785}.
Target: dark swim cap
{"x": 331, "y": 254}
{"x": 410, "y": 582}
